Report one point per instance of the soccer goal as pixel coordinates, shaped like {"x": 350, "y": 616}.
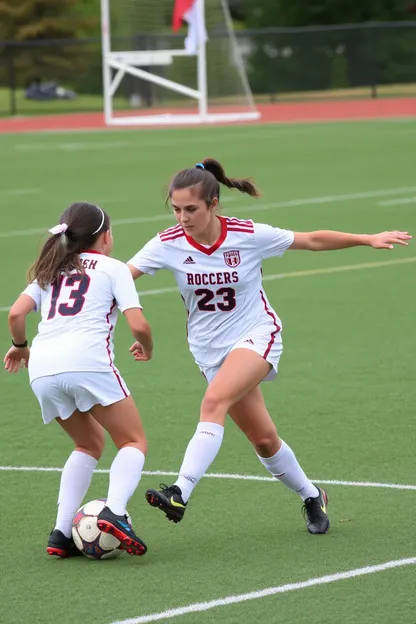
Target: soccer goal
{"x": 172, "y": 62}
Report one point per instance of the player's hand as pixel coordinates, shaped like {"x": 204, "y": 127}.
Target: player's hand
{"x": 139, "y": 353}
{"x": 387, "y": 240}
{"x": 16, "y": 358}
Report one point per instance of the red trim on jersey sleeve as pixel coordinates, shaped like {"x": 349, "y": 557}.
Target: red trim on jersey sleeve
{"x": 238, "y": 229}
{"x": 239, "y": 225}
{"x": 277, "y": 330}
{"x": 243, "y": 222}
{"x": 172, "y": 237}
{"x": 210, "y": 250}
{"x": 170, "y": 230}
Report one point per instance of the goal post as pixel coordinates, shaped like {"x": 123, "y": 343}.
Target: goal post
{"x": 152, "y": 76}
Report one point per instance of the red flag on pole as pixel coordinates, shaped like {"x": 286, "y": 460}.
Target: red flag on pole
{"x": 181, "y": 7}
{"x": 189, "y": 12}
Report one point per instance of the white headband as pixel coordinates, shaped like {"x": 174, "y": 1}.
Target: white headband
{"x": 59, "y": 229}
{"x": 102, "y": 221}
{"x": 62, "y": 227}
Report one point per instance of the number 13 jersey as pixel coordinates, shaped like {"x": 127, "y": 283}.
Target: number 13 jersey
{"x": 79, "y": 314}
{"x": 221, "y": 285}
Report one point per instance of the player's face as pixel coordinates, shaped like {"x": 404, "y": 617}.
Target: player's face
{"x": 191, "y": 212}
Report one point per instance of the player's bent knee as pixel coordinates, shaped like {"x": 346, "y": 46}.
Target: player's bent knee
{"x": 140, "y": 444}
{"x": 266, "y": 445}
{"x": 213, "y": 403}
{"x": 94, "y": 448}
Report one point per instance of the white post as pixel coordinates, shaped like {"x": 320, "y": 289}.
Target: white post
{"x": 105, "y": 50}
{"x": 202, "y": 62}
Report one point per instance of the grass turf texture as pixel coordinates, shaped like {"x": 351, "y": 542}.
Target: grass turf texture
{"x": 344, "y": 400}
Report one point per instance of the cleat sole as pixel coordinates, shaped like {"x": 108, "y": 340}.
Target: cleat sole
{"x": 57, "y": 552}
{"x": 131, "y": 546}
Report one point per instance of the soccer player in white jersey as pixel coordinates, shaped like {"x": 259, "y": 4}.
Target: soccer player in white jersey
{"x": 78, "y": 290}
{"x": 233, "y": 332}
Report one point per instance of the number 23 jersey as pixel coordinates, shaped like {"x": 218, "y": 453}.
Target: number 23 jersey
{"x": 221, "y": 285}
{"x": 79, "y": 314}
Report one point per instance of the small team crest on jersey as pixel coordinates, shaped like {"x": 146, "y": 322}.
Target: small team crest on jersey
{"x": 232, "y": 258}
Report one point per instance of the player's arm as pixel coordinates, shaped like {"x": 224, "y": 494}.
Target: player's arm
{"x": 19, "y": 353}
{"x": 142, "y": 349}
{"x": 328, "y": 240}
{"x": 128, "y": 303}
{"x": 148, "y": 260}
{"x": 134, "y": 271}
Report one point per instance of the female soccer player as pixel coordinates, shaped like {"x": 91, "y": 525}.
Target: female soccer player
{"x": 77, "y": 288}
{"x": 233, "y": 332}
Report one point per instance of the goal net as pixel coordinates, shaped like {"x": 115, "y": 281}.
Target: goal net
{"x": 153, "y": 74}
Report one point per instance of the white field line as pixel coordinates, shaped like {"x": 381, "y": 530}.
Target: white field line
{"x": 230, "y": 476}
{"x": 74, "y": 146}
{"x": 259, "y": 207}
{"x": 397, "y": 201}
{"x": 8, "y": 193}
{"x": 276, "y": 276}
{"x": 199, "y": 607}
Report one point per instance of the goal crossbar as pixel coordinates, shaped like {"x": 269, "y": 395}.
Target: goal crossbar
{"x": 136, "y": 63}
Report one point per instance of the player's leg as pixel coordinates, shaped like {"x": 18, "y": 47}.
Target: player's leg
{"x": 123, "y": 423}
{"x": 251, "y": 416}
{"x": 88, "y": 438}
{"x": 76, "y": 476}
{"x": 241, "y": 371}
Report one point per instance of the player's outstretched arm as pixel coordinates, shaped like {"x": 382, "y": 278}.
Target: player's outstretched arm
{"x": 18, "y": 356}
{"x": 142, "y": 334}
{"x": 328, "y": 240}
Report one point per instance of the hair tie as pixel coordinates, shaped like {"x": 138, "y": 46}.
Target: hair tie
{"x": 199, "y": 166}
{"x": 102, "y": 221}
{"x": 59, "y": 229}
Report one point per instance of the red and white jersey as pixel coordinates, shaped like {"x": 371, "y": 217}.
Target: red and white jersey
{"x": 221, "y": 285}
{"x": 79, "y": 314}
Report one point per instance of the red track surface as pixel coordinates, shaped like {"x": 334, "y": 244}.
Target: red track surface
{"x": 271, "y": 113}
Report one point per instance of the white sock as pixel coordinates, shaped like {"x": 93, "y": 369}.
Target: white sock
{"x": 200, "y": 453}
{"x": 125, "y": 475}
{"x": 285, "y": 467}
{"x": 75, "y": 481}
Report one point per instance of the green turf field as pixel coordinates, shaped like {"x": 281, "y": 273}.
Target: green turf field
{"x": 345, "y": 399}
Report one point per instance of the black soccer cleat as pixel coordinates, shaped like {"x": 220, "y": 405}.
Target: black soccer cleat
{"x": 61, "y": 546}
{"x": 120, "y": 528}
{"x": 168, "y": 499}
{"x": 314, "y": 511}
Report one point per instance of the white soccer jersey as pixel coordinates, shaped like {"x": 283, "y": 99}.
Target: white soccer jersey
{"x": 220, "y": 285}
{"x": 79, "y": 314}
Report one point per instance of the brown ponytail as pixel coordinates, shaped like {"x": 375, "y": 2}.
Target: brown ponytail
{"x": 207, "y": 177}
{"x": 60, "y": 253}
{"x": 244, "y": 185}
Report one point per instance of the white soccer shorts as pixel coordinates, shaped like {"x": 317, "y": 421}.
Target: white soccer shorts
{"x": 265, "y": 343}
{"x": 62, "y": 394}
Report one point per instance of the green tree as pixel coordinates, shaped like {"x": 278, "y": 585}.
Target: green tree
{"x": 322, "y": 12}
{"x": 35, "y": 21}
{"x": 285, "y": 60}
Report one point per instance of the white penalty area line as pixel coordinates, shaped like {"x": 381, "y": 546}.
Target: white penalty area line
{"x": 308, "y": 273}
{"x": 258, "y": 207}
{"x": 397, "y": 201}
{"x": 220, "y": 475}
{"x": 15, "y": 192}
{"x": 199, "y": 607}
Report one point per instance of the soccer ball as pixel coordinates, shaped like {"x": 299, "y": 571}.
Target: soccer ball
{"x": 88, "y": 538}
